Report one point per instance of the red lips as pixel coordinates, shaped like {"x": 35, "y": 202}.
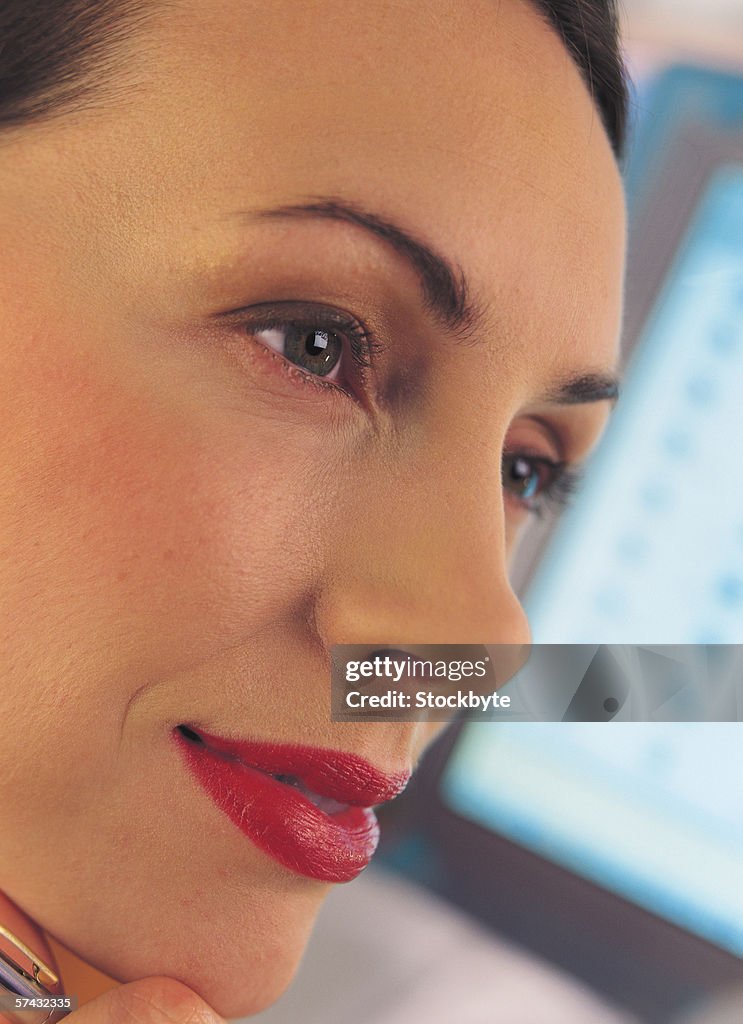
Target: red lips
{"x": 315, "y": 819}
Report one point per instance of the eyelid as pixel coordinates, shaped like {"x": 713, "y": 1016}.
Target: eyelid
{"x": 555, "y": 436}
{"x": 265, "y": 315}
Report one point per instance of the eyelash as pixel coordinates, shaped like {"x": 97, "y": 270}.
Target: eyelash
{"x": 559, "y": 495}
{"x": 554, "y": 497}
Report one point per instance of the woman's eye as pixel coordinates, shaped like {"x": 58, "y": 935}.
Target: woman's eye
{"x": 315, "y": 350}
{"x": 328, "y": 345}
{"x": 534, "y": 481}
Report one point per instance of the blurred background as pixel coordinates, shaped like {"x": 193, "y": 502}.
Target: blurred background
{"x": 535, "y": 873}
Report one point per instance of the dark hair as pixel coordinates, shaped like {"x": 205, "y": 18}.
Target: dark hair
{"x": 590, "y": 31}
{"x": 54, "y": 54}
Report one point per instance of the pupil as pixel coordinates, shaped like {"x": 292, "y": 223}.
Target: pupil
{"x": 316, "y": 351}
{"x": 527, "y": 477}
{"x": 317, "y": 343}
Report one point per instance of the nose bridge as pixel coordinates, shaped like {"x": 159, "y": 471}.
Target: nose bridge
{"x": 430, "y": 565}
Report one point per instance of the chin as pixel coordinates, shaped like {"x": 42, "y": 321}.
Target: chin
{"x": 238, "y": 952}
{"x": 240, "y": 972}
{"x": 257, "y": 986}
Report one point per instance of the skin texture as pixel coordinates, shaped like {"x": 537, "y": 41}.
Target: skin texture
{"x": 186, "y": 527}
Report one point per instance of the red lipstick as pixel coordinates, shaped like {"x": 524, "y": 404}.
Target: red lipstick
{"x": 308, "y": 808}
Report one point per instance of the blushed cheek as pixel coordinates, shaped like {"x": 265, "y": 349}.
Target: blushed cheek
{"x": 141, "y": 533}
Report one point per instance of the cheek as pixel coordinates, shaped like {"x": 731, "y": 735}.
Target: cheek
{"x": 141, "y": 530}
{"x": 145, "y": 527}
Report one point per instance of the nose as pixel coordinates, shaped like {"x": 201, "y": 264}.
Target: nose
{"x": 422, "y": 560}
{"x": 422, "y": 568}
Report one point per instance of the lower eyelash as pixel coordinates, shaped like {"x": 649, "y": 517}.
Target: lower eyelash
{"x": 296, "y": 373}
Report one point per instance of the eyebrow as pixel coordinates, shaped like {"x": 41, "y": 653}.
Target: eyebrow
{"x": 446, "y": 291}
{"x": 586, "y": 387}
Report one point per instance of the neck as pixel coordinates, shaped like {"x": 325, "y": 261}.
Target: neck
{"x": 78, "y": 978}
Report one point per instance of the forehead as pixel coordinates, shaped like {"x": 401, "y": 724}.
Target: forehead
{"x": 466, "y": 123}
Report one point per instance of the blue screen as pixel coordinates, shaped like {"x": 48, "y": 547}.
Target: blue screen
{"x": 650, "y": 811}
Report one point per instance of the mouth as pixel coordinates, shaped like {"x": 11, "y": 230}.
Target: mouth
{"x": 308, "y": 808}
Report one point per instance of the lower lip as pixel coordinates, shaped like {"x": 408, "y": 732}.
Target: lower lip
{"x": 281, "y": 821}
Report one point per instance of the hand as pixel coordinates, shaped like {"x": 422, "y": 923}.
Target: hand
{"x": 155, "y": 1000}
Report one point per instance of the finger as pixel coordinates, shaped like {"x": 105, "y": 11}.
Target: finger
{"x": 155, "y": 1000}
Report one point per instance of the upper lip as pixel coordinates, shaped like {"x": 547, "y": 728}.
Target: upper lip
{"x": 337, "y": 774}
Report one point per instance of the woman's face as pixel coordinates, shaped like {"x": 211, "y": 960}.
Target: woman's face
{"x": 189, "y": 519}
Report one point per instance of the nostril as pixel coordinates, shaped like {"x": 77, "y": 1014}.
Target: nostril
{"x": 395, "y": 653}
{"x": 413, "y": 665}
